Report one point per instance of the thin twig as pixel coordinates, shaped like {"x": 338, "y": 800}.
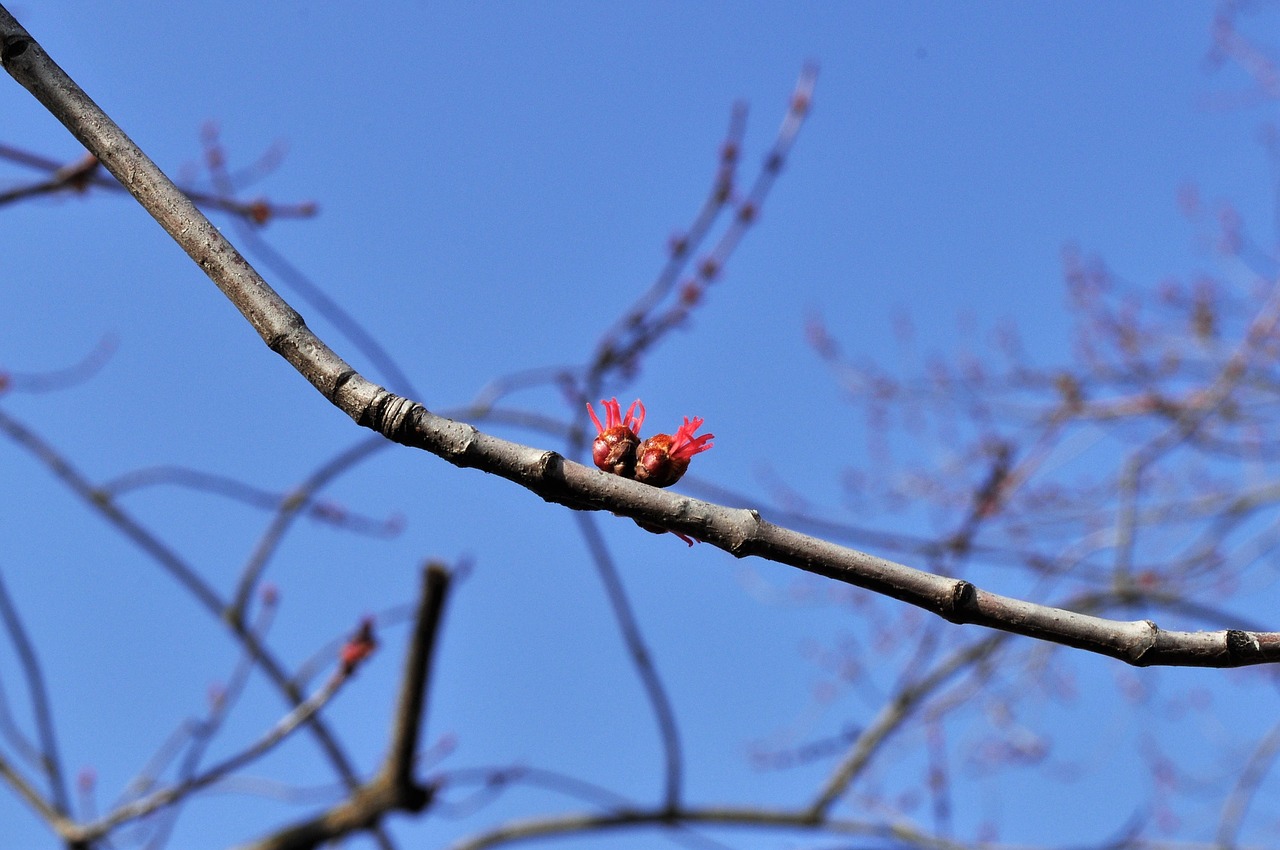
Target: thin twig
{"x": 165, "y": 797}
{"x": 1246, "y": 787}
{"x": 81, "y": 175}
{"x": 258, "y": 497}
{"x": 35, "y": 799}
{"x": 1189, "y": 419}
{"x": 55, "y": 380}
{"x": 289, "y": 510}
{"x": 590, "y": 823}
{"x": 338, "y": 316}
{"x": 642, "y": 326}
{"x": 41, "y": 709}
{"x": 890, "y": 718}
{"x": 204, "y": 731}
{"x": 668, "y": 729}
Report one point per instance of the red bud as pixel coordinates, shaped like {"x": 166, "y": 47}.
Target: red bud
{"x": 663, "y": 459}
{"x": 614, "y": 449}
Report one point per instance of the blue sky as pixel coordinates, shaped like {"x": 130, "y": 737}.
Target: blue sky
{"x": 496, "y": 183}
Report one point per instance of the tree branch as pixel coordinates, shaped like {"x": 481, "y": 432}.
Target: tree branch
{"x": 739, "y": 532}
{"x": 410, "y": 715}
{"x": 573, "y": 824}
{"x": 56, "y": 819}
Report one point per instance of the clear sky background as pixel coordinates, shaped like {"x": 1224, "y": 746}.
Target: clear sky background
{"x": 496, "y": 183}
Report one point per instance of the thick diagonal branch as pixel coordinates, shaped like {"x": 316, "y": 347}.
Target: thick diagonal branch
{"x": 547, "y": 474}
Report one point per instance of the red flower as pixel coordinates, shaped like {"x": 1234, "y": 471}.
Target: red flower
{"x": 663, "y": 459}
{"x": 614, "y": 450}
{"x": 659, "y": 461}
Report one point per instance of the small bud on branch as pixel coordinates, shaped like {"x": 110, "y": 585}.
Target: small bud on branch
{"x": 361, "y": 645}
{"x": 614, "y": 449}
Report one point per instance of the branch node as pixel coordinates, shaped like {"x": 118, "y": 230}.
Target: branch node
{"x": 1242, "y": 645}
{"x": 15, "y": 47}
{"x": 391, "y": 415}
{"x": 747, "y": 530}
{"x": 959, "y": 606}
{"x": 550, "y": 466}
{"x": 1138, "y": 656}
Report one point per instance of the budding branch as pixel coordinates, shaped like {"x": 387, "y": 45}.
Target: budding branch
{"x": 555, "y": 478}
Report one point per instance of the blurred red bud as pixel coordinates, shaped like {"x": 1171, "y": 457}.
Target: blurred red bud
{"x": 361, "y": 645}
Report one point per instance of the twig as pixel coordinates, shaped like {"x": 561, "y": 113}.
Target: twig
{"x": 1246, "y": 787}
{"x": 165, "y": 797}
{"x": 203, "y": 731}
{"x": 338, "y": 316}
{"x": 890, "y": 717}
{"x": 410, "y": 717}
{"x": 668, "y": 729}
{"x": 1188, "y": 421}
{"x": 268, "y": 500}
{"x": 59, "y": 379}
{"x": 289, "y": 510}
{"x": 589, "y": 823}
{"x": 12, "y": 733}
{"x": 41, "y": 709}
{"x": 82, "y": 174}
{"x": 682, "y": 249}
{"x": 78, "y": 484}
{"x": 56, "y": 819}
{"x": 640, "y": 327}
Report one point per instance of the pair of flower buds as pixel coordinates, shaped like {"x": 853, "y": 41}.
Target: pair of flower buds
{"x": 659, "y": 461}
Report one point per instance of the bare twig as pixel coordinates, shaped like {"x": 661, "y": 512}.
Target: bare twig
{"x": 82, "y": 174}
{"x": 668, "y": 729}
{"x": 55, "y": 818}
{"x": 643, "y": 325}
{"x": 165, "y": 797}
{"x": 410, "y": 717}
{"x": 608, "y": 352}
{"x": 59, "y": 379}
{"x": 41, "y": 709}
{"x": 78, "y": 484}
{"x": 590, "y": 823}
{"x": 1190, "y": 418}
{"x": 204, "y": 731}
{"x": 289, "y": 510}
{"x": 258, "y": 497}
{"x": 13, "y": 733}
{"x": 301, "y": 283}
{"x": 1246, "y": 787}
{"x": 890, "y": 718}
